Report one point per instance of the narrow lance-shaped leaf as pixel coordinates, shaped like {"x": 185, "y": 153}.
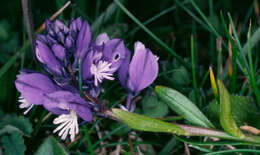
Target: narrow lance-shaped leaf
{"x": 226, "y": 120}
{"x": 183, "y": 106}
{"x": 144, "y": 123}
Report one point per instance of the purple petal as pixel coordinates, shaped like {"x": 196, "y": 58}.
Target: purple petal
{"x": 79, "y": 23}
{"x": 42, "y": 38}
{"x": 76, "y": 24}
{"x": 50, "y": 40}
{"x": 32, "y": 86}
{"x": 123, "y": 70}
{"x": 115, "y": 52}
{"x": 83, "y": 111}
{"x": 59, "y": 102}
{"x": 69, "y": 41}
{"x": 83, "y": 40}
{"x": 143, "y": 68}
{"x": 86, "y": 64}
{"x": 102, "y": 39}
{"x": 62, "y": 101}
{"x": 60, "y": 26}
{"x": 45, "y": 56}
{"x": 59, "y": 51}
{"x": 61, "y": 37}
{"x": 49, "y": 27}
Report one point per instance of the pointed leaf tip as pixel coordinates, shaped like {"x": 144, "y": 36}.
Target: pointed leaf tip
{"x": 226, "y": 120}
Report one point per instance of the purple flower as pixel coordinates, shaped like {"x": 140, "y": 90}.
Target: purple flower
{"x": 32, "y": 87}
{"x": 140, "y": 72}
{"x": 83, "y": 40}
{"x": 49, "y": 55}
{"x": 60, "y": 50}
{"x": 63, "y": 46}
{"x": 103, "y": 59}
{"x": 38, "y": 89}
{"x": 68, "y": 106}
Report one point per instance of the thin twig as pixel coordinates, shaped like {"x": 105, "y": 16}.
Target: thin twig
{"x": 187, "y": 150}
{"x": 42, "y": 27}
{"x": 27, "y": 14}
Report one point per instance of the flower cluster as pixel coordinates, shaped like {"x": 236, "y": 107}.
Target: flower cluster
{"x": 72, "y": 60}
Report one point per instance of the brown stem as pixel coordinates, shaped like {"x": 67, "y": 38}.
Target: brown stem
{"x": 27, "y": 14}
{"x": 200, "y": 131}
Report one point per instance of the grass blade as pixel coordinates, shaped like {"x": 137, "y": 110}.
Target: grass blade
{"x": 88, "y": 140}
{"x": 251, "y": 68}
{"x": 13, "y": 59}
{"x": 194, "y": 81}
{"x": 160, "y": 42}
{"x": 212, "y": 28}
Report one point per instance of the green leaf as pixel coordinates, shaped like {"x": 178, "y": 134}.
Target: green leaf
{"x": 19, "y": 122}
{"x": 154, "y": 107}
{"x": 169, "y": 146}
{"x": 180, "y": 76}
{"x": 13, "y": 144}
{"x": 9, "y": 129}
{"x": 144, "y": 123}
{"x": 183, "y": 106}
{"x": 243, "y": 111}
{"x": 51, "y": 146}
{"x": 226, "y": 120}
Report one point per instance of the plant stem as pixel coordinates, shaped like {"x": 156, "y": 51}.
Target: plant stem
{"x": 80, "y": 78}
{"x": 88, "y": 140}
{"x": 199, "y": 131}
{"x": 27, "y": 14}
{"x": 251, "y": 69}
{"x": 194, "y": 72}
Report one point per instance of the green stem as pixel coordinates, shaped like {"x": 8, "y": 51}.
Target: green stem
{"x": 199, "y": 131}
{"x": 234, "y": 70}
{"x": 81, "y": 94}
{"x": 13, "y": 59}
{"x": 238, "y": 42}
{"x": 88, "y": 140}
{"x": 254, "y": 39}
{"x": 204, "y": 79}
{"x": 252, "y": 70}
{"x": 212, "y": 28}
{"x": 194, "y": 72}
{"x": 157, "y": 16}
{"x": 80, "y": 78}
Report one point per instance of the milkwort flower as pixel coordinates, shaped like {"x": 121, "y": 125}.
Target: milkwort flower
{"x": 138, "y": 74}
{"x": 103, "y": 59}
{"x": 61, "y": 51}
{"x": 39, "y": 89}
